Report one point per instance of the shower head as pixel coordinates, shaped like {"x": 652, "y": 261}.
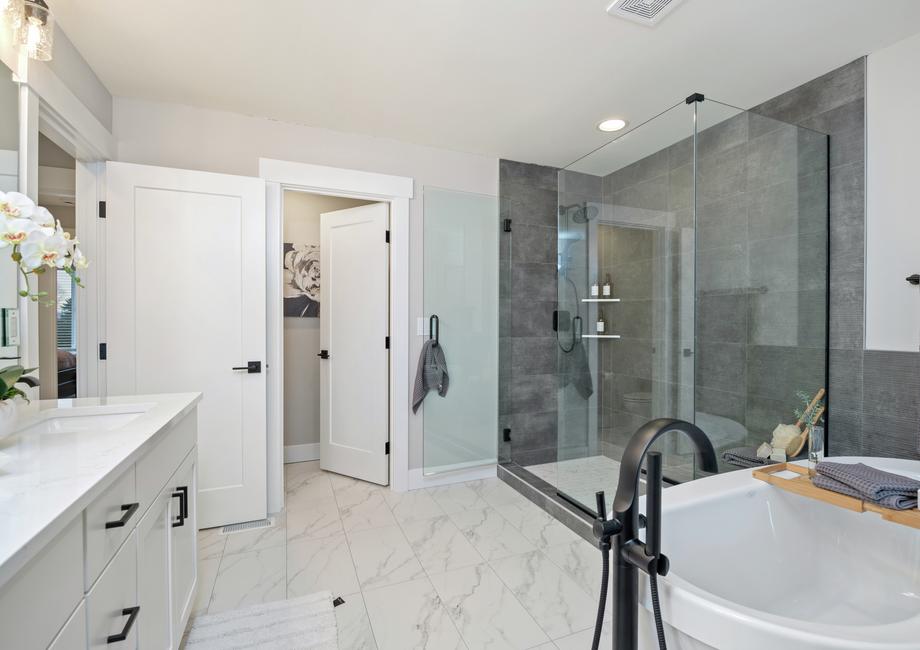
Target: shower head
{"x": 580, "y": 212}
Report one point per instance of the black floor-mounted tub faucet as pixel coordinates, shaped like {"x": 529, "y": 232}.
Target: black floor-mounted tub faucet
{"x": 621, "y": 533}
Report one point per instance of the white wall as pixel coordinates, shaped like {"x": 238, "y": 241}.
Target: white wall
{"x": 301, "y": 213}
{"x": 892, "y": 210}
{"x": 194, "y": 138}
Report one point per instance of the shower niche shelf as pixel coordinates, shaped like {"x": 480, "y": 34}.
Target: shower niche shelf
{"x": 600, "y": 336}
{"x": 600, "y": 300}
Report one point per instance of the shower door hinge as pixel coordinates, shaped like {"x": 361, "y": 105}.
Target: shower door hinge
{"x": 387, "y": 343}
{"x": 506, "y": 435}
{"x": 102, "y": 209}
{"x": 103, "y": 352}
{"x": 386, "y": 448}
{"x": 506, "y": 225}
{"x": 388, "y": 237}
{"x": 695, "y": 97}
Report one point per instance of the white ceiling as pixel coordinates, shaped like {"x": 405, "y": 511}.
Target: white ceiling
{"x": 521, "y": 79}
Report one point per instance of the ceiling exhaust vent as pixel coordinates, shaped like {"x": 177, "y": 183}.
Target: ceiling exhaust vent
{"x": 644, "y": 12}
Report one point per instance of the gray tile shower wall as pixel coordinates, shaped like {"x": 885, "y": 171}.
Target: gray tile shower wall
{"x": 874, "y": 395}
{"x": 527, "y": 364}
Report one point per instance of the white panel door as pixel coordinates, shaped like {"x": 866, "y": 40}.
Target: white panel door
{"x": 354, "y": 310}
{"x": 185, "y": 308}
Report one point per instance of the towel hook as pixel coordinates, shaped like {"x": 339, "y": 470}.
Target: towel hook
{"x": 434, "y": 329}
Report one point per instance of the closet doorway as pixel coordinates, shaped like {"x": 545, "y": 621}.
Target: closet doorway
{"x": 335, "y": 293}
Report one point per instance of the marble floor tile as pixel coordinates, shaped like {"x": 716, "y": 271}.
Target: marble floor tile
{"x": 551, "y": 597}
{"x": 256, "y": 539}
{"x": 354, "y": 627}
{"x": 584, "y": 639}
{"x": 416, "y": 505}
{"x": 485, "y": 611}
{"x": 292, "y": 470}
{"x": 490, "y": 533}
{"x": 496, "y": 492}
{"x": 460, "y": 496}
{"x": 207, "y": 574}
{"x": 382, "y": 556}
{"x": 248, "y": 579}
{"x": 580, "y": 561}
{"x": 439, "y": 545}
{"x": 410, "y": 615}
{"x": 305, "y": 488}
{"x": 318, "y": 565}
{"x": 363, "y": 509}
{"x": 210, "y": 544}
{"x": 313, "y": 520}
{"x": 549, "y": 645}
{"x": 536, "y": 524}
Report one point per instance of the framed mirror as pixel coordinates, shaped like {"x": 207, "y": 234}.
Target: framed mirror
{"x": 9, "y": 182}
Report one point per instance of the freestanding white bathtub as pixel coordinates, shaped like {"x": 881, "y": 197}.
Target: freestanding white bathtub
{"x": 756, "y": 568}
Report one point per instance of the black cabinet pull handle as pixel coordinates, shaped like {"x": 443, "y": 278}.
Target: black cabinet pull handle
{"x": 182, "y": 493}
{"x": 131, "y": 613}
{"x": 252, "y": 367}
{"x": 323, "y": 354}
{"x": 129, "y": 511}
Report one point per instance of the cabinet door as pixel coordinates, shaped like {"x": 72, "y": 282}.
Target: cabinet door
{"x": 73, "y": 635}
{"x": 153, "y": 576}
{"x": 184, "y": 547}
{"x": 111, "y": 605}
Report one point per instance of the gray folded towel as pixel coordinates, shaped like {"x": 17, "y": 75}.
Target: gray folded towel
{"x": 745, "y": 457}
{"x": 431, "y": 373}
{"x": 863, "y": 482}
{"x": 575, "y": 370}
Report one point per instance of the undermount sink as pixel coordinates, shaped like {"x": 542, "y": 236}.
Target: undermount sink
{"x": 753, "y": 566}
{"x": 84, "y": 419}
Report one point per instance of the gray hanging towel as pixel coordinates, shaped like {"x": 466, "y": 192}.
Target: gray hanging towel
{"x": 864, "y": 482}
{"x": 431, "y": 373}
{"x": 576, "y": 371}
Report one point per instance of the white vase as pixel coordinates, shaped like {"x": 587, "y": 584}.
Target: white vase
{"x": 9, "y": 416}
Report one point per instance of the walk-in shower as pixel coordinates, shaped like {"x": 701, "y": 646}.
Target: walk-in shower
{"x": 683, "y": 274}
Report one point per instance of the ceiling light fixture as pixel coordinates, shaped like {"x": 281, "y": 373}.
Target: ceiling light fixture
{"x": 611, "y": 125}
{"x": 36, "y": 31}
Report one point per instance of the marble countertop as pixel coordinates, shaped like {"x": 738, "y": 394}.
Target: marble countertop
{"x": 46, "y": 479}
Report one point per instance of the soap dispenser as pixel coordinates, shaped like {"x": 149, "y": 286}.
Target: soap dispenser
{"x": 608, "y": 287}
{"x": 601, "y": 322}
{"x": 595, "y": 290}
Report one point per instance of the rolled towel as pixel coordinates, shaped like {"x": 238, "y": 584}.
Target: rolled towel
{"x": 744, "y": 457}
{"x": 864, "y": 482}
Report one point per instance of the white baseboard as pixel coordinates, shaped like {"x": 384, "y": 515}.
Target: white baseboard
{"x": 301, "y": 453}
{"x": 418, "y": 480}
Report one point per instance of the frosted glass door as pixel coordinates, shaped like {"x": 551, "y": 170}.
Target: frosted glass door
{"x": 461, "y": 288}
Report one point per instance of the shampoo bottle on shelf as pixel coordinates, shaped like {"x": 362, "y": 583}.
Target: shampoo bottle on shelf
{"x": 608, "y": 287}
{"x": 595, "y": 290}
{"x": 601, "y": 322}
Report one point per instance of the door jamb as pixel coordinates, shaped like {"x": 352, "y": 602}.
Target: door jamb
{"x": 318, "y": 179}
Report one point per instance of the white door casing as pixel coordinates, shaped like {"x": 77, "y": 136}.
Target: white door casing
{"x": 185, "y": 303}
{"x": 354, "y": 306}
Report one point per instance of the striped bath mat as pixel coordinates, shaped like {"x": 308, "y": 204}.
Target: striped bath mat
{"x": 307, "y": 622}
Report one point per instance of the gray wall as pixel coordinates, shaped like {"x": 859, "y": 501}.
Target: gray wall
{"x": 874, "y": 395}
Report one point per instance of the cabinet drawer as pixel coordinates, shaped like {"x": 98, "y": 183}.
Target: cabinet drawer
{"x": 112, "y": 599}
{"x": 154, "y": 469}
{"x": 73, "y": 636}
{"x": 37, "y": 602}
{"x": 109, "y": 520}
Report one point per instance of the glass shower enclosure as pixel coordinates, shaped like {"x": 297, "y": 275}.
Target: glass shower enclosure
{"x": 691, "y": 283}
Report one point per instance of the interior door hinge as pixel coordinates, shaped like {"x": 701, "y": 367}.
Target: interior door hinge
{"x": 388, "y": 236}
{"x": 103, "y": 352}
{"x": 387, "y": 344}
{"x": 102, "y": 209}
{"x": 386, "y": 448}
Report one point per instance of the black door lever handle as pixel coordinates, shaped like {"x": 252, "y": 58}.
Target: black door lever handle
{"x": 323, "y": 354}
{"x": 252, "y": 367}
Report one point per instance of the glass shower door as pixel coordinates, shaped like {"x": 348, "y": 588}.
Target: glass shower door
{"x": 461, "y": 286}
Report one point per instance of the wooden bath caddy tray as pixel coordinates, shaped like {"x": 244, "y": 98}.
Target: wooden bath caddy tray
{"x": 802, "y": 485}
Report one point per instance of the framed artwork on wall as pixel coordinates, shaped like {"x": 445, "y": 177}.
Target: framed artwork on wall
{"x": 301, "y": 280}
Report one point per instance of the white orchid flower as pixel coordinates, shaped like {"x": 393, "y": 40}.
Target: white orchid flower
{"x": 78, "y": 259}
{"x": 42, "y": 217}
{"x": 42, "y": 248}
{"x": 15, "y": 231}
{"x": 14, "y": 205}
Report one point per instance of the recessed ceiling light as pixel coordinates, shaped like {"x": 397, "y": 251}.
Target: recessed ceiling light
{"x": 613, "y": 124}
